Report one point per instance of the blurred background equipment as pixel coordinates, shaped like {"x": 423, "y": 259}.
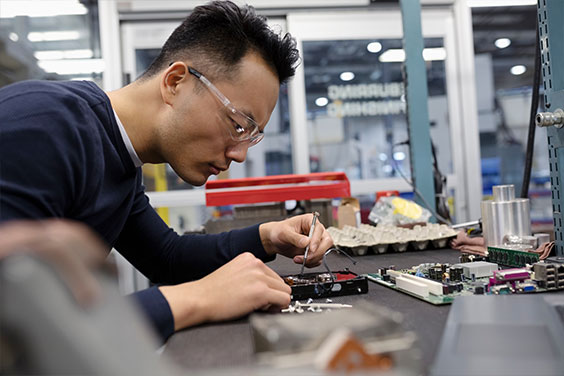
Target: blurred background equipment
{"x": 43, "y": 330}
{"x": 501, "y": 335}
{"x": 298, "y": 340}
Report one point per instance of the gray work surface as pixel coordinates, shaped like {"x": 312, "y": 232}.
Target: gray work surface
{"x": 230, "y": 344}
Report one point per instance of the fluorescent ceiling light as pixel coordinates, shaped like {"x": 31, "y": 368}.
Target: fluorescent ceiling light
{"x": 518, "y": 70}
{"x": 499, "y": 3}
{"x": 434, "y": 54}
{"x": 347, "y": 76}
{"x": 399, "y": 155}
{"x": 43, "y": 8}
{"x": 321, "y": 101}
{"x": 76, "y": 66}
{"x": 397, "y": 55}
{"x": 51, "y": 36}
{"x": 502, "y": 43}
{"x": 374, "y": 47}
{"x": 63, "y": 54}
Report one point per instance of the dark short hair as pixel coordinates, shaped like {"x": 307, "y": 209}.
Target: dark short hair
{"x": 217, "y": 35}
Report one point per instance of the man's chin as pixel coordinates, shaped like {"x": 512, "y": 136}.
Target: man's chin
{"x": 196, "y": 181}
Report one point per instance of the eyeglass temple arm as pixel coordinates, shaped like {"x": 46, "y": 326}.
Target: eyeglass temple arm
{"x": 210, "y": 86}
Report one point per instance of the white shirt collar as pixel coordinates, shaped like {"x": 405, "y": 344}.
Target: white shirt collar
{"x": 134, "y": 157}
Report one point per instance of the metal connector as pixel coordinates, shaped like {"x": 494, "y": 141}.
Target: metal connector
{"x": 546, "y": 119}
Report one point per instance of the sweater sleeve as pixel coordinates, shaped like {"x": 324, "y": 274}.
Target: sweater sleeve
{"x": 166, "y": 257}
{"x": 157, "y": 310}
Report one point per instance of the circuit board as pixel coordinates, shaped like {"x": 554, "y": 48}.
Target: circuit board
{"x": 433, "y": 299}
{"x": 511, "y": 257}
{"x": 440, "y": 284}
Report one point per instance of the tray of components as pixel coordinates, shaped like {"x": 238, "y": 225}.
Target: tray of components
{"x": 367, "y": 239}
{"x": 442, "y": 283}
{"x": 321, "y": 285}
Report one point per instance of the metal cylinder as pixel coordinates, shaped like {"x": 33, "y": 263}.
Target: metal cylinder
{"x": 503, "y": 192}
{"x": 546, "y": 119}
{"x": 505, "y": 218}
{"x": 542, "y": 237}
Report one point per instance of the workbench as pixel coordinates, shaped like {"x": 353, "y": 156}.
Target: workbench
{"x": 229, "y": 344}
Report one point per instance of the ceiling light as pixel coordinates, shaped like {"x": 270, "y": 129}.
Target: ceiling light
{"x": 63, "y": 54}
{"x": 399, "y": 155}
{"x": 347, "y": 76}
{"x": 85, "y": 66}
{"x": 374, "y": 47}
{"x": 387, "y": 169}
{"x": 13, "y": 37}
{"x": 321, "y": 101}
{"x": 397, "y": 55}
{"x": 499, "y": 3}
{"x": 43, "y": 8}
{"x": 517, "y": 70}
{"x": 51, "y": 36}
{"x": 434, "y": 54}
{"x": 393, "y": 55}
{"x": 502, "y": 42}
{"x": 383, "y": 157}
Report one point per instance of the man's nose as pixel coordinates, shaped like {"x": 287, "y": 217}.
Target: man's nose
{"x": 238, "y": 152}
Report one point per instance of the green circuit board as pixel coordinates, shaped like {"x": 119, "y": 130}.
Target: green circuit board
{"x": 433, "y": 299}
{"x": 511, "y": 257}
{"x": 543, "y": 277}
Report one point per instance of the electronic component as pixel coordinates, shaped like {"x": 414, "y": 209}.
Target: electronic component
{"x": 414, "y": 287}
{"x": 507, "y": 275}
{"x": 477, "y": 269}
{"x": 321, "y": 285}
{"x": 511, "y": 257}
{"x": 468, "y": 257}
{"x": 456, "y": 273}
{"x": 472, "y": 278}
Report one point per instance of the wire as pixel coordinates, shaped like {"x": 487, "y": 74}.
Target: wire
{"x": 532, "y": 125}
{"x": 327, "y": 266}
{"x": 416, "y": 191}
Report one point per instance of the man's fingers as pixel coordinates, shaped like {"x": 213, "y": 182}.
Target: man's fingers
{"x": 277, "y": 299}
{"x": 278, "y": 284}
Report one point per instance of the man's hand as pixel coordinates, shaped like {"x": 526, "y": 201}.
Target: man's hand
{"x": 290, "y": 238}
{"x": 241, "y": 286}
{"x": 70, "y": 247}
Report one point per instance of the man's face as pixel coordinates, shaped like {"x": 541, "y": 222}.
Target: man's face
{"x": 196, "y": 139}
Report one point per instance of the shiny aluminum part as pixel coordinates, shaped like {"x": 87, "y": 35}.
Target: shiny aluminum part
{"x": 546, "y": 119}
{"x": 542, "y": 237}
{"x": 505, "y": 218}
{"x": 503, "y": 192}
{"x": 529, "y": 242}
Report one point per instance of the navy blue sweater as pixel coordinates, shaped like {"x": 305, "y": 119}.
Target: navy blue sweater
{"x": 62, "y": 155}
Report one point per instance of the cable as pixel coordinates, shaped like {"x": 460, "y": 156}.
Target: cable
{"x": 416, "y": 191}
{"x": 327, "y": 266}
{"x": 532, "y": 125}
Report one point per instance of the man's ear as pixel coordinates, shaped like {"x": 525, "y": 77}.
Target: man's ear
{"x": 176, "y": 74}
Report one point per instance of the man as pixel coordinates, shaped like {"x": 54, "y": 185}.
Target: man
{"x": 69, "y": 150}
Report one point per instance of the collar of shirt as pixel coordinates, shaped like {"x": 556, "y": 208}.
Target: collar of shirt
{"x": 134, "y": 157}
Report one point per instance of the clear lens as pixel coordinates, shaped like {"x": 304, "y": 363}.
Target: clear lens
{"x": 242, "y": 128}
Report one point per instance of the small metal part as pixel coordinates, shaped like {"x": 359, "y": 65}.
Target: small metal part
{"x": 546, "y": 119}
